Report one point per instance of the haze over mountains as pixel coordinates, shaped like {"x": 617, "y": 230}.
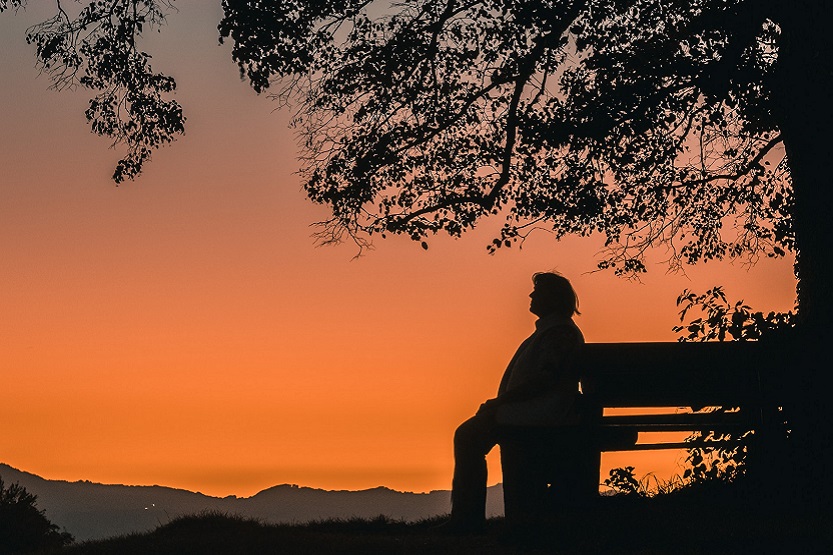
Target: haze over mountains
{"x": 91, "y": 511}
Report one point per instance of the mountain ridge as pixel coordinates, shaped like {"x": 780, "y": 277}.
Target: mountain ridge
{"x": 91, "y": 510}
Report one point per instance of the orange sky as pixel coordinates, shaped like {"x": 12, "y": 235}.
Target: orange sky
{"x": 183, "y": 329}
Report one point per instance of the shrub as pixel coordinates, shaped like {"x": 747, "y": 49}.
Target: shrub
{"x": 24, "y": 528}
{"x": 623, "y": 481}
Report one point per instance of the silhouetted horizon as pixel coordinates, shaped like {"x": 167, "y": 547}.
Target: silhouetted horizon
{"x": 92, "y": 510}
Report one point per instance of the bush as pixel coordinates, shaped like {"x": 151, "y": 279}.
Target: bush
{"x": 24, "y": 528}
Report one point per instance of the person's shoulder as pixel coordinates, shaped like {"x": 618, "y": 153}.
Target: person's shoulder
{"x": 563, "y": 332}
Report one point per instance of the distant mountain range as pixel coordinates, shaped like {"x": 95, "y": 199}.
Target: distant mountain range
{"x": 91, "y": 511}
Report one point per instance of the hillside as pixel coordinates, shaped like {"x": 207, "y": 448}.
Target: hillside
{"x": 89, "y": 510}
{"x": 719, "y": 523}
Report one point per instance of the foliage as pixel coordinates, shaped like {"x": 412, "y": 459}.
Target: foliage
{"x": 97, "y": 48}
{"x": 646, "y": 121}
{"x": 721, "y": 319}
{"x": 705, "y": 466}
{"x": 5, "y": 4}
{"x": 649, "y": 122}
{"x": 715, "y": 464}
{"x": 23, "y": 527}
{"x": 623, "y": 481}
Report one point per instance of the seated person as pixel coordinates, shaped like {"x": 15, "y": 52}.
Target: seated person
{"x": 537, "y": 389}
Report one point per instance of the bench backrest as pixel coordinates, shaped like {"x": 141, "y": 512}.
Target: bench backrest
{"x": 676, "y": 374}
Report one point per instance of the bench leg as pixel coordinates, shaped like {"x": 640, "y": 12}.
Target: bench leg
{"x": 543, "y": 474}
{"x": 524, "y": 483}
{"x": 588, "y": 464}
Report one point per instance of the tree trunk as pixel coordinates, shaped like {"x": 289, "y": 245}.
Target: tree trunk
{"x": 805, "y": 111}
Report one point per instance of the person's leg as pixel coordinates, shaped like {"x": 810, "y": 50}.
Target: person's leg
{"x": 473, "y": 440}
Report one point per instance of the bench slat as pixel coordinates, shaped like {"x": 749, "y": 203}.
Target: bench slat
{"x": 680, "y": 421}
{"x": 678, "y": 445}
{"x": 673, "y": 375}
{"x": 676, "y": 374}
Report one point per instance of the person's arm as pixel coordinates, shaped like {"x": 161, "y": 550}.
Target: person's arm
{"x": 552, "y": 373}
{"x": 529, "y": 390}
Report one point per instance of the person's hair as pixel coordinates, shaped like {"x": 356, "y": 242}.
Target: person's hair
{"x": 559, "y": 290}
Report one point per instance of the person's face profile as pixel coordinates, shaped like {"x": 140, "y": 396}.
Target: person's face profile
{"x": 539, "y": 303}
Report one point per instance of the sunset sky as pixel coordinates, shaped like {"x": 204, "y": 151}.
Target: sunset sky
{"x": 184, "y": 329}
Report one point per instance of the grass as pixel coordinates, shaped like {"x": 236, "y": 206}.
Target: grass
{"x": 709, "y": 519}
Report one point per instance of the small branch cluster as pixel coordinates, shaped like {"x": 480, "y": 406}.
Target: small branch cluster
{"x": 97, "y": 49}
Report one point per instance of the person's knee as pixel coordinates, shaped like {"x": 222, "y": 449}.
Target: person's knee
{"x": 471, "y": 432}
{"x": 463, "y": 434}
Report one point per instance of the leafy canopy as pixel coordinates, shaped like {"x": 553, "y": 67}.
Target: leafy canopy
{"x": 648, "y": 121}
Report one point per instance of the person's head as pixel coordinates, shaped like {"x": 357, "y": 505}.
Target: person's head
{"x": 552, "y": 294}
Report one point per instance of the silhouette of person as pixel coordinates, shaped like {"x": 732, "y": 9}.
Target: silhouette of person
{"x": 538, "y": 389}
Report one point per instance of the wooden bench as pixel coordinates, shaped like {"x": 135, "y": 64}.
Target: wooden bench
{"x": 666, "y": 381}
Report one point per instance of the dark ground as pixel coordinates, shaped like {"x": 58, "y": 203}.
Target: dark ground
{"x": 711, "y": 522}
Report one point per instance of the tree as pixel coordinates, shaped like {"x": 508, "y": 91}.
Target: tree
{"x": 23, "y": 527}
{"x": 697, "y": 124}
{"x": 97, "y": 49}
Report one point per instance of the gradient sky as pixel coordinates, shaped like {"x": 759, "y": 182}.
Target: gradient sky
{"x": 184, "y": 330}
